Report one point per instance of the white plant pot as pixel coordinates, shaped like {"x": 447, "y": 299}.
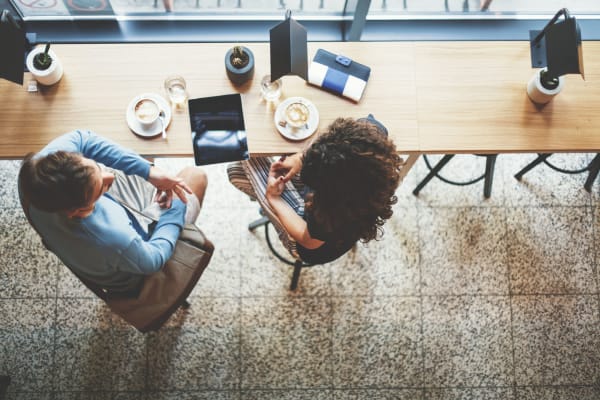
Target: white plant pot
{"x": 538, "y": 93}
{"x": 49, "y": 76}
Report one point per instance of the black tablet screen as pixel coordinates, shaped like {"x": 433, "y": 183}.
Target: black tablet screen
{"x": 218, "y": 130}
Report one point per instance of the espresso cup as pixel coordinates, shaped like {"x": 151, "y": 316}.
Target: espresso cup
{"x": 146, "y": 111}
{"x": 297, "y": 115}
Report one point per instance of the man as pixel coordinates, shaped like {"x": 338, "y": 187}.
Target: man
{"x": 76, "y": 187}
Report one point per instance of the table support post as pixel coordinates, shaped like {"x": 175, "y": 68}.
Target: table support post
{"x": 408, "y": 164}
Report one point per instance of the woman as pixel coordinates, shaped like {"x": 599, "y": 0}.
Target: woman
{"x": 339, "y": 191}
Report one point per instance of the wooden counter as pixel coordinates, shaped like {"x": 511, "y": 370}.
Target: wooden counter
{"x": 478, "y": 102}
{"x": 100, "y": 81}
{"x": 434, "y": 97}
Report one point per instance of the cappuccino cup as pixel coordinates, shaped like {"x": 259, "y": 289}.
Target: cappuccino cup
{"x": 146, "y": 111}
{"x": 297, "y": 115}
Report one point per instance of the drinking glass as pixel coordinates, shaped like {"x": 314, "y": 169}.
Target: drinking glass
{"x": 176, "y": 90}
{"x": 270, "y": 91}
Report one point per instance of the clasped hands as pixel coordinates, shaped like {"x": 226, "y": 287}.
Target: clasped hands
{"x": 282, "y": 171}
{"x": 167, "y": 184}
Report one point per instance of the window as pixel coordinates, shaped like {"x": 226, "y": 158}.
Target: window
{"x": 250, "y": 20}
{"x": 176, "y": 9}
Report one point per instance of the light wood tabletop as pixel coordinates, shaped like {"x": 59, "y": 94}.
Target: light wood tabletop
{"x": 434, "y": 97}
{"x": 471, "y": 98}
{"x": 101, "y": 79}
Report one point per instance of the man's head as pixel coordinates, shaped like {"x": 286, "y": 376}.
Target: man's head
{"x": 63, "y": 182}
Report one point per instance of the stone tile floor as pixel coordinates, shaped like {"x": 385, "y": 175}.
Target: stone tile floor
{"x": 463, "y": 298}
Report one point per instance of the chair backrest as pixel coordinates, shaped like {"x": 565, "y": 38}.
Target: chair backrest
{"x": 166, "y": 290}
{"x": 162, "y": 292}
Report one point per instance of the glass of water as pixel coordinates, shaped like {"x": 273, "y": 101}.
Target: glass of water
{"x": 176, "y": 90}
{"x": 270, "y": 91}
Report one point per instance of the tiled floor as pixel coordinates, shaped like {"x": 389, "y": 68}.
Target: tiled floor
{"x": 463, "y": 298}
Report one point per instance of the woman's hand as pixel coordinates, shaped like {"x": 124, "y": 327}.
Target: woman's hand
{"x": 167, "y": 184}
{"x": 288, "y": 166}
{"x": 275, "y": 183}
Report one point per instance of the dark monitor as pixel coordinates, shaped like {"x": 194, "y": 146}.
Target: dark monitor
{"x": 218, "y": 130}
{"x": 563, "y": 48}
{"x": 289, "y": 54}
{"x": 558, "y": 46}
{"x": 13, "y": 45}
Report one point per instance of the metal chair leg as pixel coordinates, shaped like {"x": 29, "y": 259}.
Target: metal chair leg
{"x": 540, "y": 159}
{"x": 594, "y": 169}
{"x": 490, "y": 162}
{"x": 259, "y": 222}
{"x": 296, "y": 274}
{"x": 433, "y": 172}
{"x": 297, "y": 263}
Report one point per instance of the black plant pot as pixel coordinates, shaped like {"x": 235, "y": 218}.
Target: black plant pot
{"x": 240, "y": 76}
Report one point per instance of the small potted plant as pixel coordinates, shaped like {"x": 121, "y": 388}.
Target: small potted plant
{"x": 239, "y": 63}
{"x": 44, "y": 65}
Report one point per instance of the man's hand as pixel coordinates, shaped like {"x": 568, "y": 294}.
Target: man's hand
{"x": 288, "y": 166}
{"x": 167, "y": 184}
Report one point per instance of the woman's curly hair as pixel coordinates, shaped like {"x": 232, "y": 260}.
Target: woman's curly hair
{"x": 354, "y": 171}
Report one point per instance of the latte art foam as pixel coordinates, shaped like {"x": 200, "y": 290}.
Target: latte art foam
{"x": 146, "y": 110}
{"x": 297, "y": 114}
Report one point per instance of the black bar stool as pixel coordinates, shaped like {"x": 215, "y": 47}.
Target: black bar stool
{"x": 488, "y": 176}
{"x": 298, "y": 264}
{"x": 592, "y": 168}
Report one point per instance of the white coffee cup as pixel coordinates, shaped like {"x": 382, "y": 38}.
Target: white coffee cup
{"x": 146, "y": 111}
{"x": 297, "y": 115}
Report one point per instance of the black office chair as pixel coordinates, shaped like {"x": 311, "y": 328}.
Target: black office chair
{"x": 488, "y": 176}
{"x": 297, "y": 263}
{"x": 592, "y": 168}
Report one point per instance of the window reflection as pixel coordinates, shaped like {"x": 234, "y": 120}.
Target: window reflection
{"x": 483, "y": 6}
{"x": 207, "y": 8}
{"x": 260, "y": 9}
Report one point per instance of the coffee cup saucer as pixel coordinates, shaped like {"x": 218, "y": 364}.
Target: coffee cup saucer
{"x": 153, "y": 129}
{"x": 296, "y": 133}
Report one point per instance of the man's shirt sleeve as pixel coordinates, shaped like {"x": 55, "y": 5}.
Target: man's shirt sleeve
{"x": 149, "y": 256}
{"x": 101, "y": 150}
